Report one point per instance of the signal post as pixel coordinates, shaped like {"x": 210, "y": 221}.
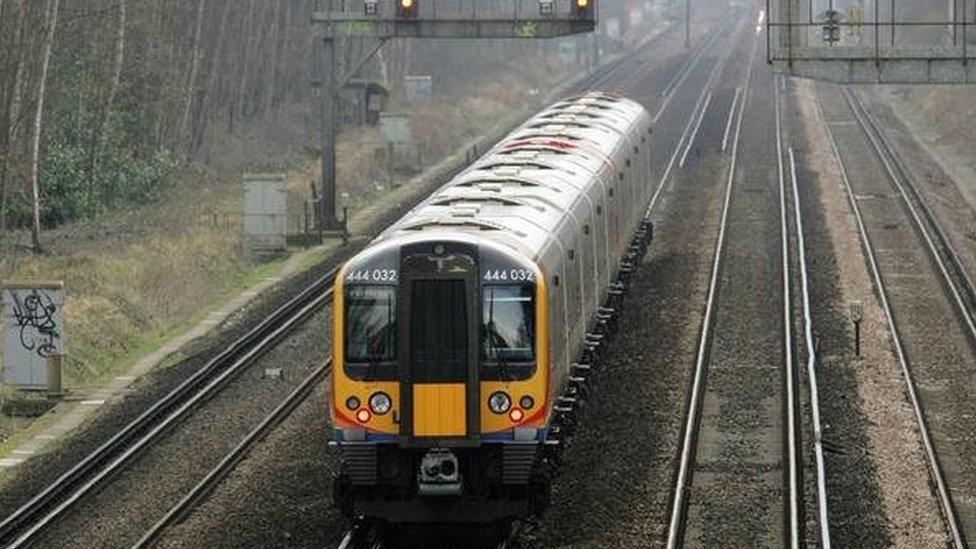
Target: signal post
{"x": 464, "y": 19}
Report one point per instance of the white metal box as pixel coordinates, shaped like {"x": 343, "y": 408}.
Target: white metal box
{"x": 265, "y": 212}
{"x": 33, "y": 332}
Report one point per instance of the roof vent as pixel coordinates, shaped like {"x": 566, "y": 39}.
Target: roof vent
{"x": 507, "y": 171}
{"x": 465, "y": 211}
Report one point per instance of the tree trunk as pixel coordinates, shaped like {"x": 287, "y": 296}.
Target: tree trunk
{"x": 272, "y": 75}
{"x": 210, "y": 90}
{"x": 249, "y": 32}
{"x": 237, "y": 102}
{"x": 191, "y": 84}
{"x": 119, "y": 57}
{"x": 106, "y": 111}
{"x": 8, "y": 130}
{"x": 52, "y": 27}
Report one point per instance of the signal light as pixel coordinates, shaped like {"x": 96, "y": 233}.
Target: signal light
{"x": 406, "y": 9}
{"x": 363, "y": 415}
{"x": 582, "y": 6}
{"x": 516, "y": 415}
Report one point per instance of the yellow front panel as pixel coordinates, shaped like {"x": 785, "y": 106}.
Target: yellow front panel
{"x": 439, "y": 410}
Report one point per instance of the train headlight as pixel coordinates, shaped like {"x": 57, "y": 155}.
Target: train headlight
{"x": 380, "y": 403}
{"x": 527, "y": 402}
{"x": 499, "y": 402}
{"x": 353, "y": 403}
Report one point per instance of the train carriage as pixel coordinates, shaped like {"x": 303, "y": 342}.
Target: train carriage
{"x": 455, "y": 330}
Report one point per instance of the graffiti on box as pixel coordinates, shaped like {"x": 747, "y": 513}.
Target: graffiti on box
{"x": 35, "y": 318}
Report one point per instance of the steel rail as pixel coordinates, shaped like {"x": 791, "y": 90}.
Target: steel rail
{"x": 712, "y": 77}
{"x": 672, "y": 87}
{"x": 793, "y": 470}
{"x": 728, "y": 124}
{"x": 935, "y": 468}
{"x": 676, "y": 526}
{"x": 694, "y": 132}
{"x": 274, "y": 328}
{"x": 223, "y": 469}
{"x": 683, "y": 71}
{"x": 243, "y": 346}
{"x": 954, "y": 273}
{"x": 812, "y": 360}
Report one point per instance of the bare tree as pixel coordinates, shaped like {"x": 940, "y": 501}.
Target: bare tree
{"x": 52, "y": 25}
{"x": 119, "y": 56}
{"x": 11, "y": 122}
{"x": 273, "y": 69}
{"x": 191, "y": 84}
{"x": 115, "y": 83}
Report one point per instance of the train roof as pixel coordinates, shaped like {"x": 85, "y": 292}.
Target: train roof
{"x": 519, "y": 192}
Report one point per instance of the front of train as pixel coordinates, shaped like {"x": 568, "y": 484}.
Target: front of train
{"x": 440, "y": 393}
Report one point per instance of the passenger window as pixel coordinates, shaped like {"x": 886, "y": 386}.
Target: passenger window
{"x": 370, "y": 320}
{"x": 508, "y": 324}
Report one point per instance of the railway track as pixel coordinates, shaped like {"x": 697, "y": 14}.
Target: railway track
{"x": 693, "y": 419}
{"x": 937, "y": 365}
{"x": 791, "y": 209}
{"x": 732, "y": 401}
{"x": 25, "y": 524}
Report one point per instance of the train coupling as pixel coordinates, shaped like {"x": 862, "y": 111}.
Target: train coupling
{"x": 439, "y": 474}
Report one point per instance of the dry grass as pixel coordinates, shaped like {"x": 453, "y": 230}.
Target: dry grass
{"x": 133, "y": 277}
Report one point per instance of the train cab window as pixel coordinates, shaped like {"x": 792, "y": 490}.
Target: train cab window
{"x": 508, "y": 331}
{"x": 370, "y": 321}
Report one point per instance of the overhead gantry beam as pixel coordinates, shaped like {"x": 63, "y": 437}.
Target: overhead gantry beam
{"x": 872, "y": 41}
{"x": 464, "y": 19}
{"x": 468, "y": 19}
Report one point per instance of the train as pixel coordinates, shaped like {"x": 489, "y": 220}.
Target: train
{"x": 464, "y": 333}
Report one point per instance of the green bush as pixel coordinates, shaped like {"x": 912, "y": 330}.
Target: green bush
{"x": 77, "y": 185}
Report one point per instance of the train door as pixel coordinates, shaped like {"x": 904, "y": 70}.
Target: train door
{"x": 439, "y": 333}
